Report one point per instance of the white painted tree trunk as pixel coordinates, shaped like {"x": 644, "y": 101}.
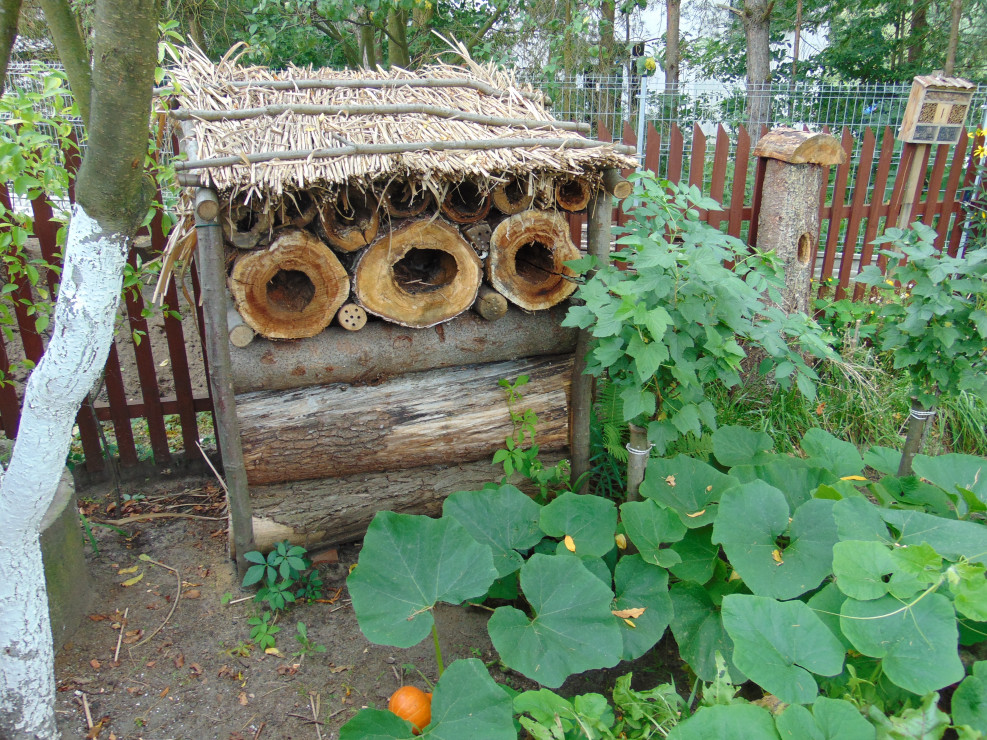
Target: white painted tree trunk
{"x": 83, "y": 329}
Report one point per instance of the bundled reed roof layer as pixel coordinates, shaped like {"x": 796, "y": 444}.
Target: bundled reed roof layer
{"x": 215, "y": 98}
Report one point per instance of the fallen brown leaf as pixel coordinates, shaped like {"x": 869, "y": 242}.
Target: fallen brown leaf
{"x": 164, "y": 692}
{"x": 193, "y": 594}
{"x": 633, "y": 613}
{"x": 95, "y": 664}
{"x": 243, "y": 698}
{"x": 180, "y": 660}
{"x": 195, "y": 668}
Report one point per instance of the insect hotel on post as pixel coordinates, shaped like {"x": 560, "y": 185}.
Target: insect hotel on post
{"x": 377, "y": 249}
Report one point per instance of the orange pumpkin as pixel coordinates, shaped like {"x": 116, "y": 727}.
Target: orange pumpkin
{"x": 412, "y": 704}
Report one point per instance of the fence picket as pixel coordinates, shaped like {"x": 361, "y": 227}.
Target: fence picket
{"x": 738, "y": 192}
{"x": 877, "y": 207}
{"x": 834, "y": 214}
{"x": 950, "y": 211}
{"x": 858, "y": 202}
{"x": 718, "y": 178}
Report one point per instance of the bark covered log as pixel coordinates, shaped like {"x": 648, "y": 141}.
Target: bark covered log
{"x": 527, "y": 252}
{"x": 466, "y": 203}
{"x": 350, "y": 219}
{"x": 490, "y": 304}
{"x": 333, "y": 511}
{"x": 800, "y": 147}
{"x": 419, "y": 275}
{"x": 439, "y": 416}
{"x": 290, "y": 290}
{"x": 381, "y": 350}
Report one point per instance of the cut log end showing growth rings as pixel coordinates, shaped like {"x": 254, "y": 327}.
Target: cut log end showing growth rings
{"x": 290, "y": 290}
{"x": 405, "y": 199}
{"x": 512, "y": 196}
{"x": 419, "y": 275}
{"x": 351, "y": 317}
{"x": 527, "y": 256}
{"x": 245, "y": 226}
{"x": 572, "y": 195}
{"x": 350, "y": 219}
{"x": 466, "y": 203}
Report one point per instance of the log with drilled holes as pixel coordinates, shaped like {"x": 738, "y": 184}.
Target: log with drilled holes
{"x": 333, "y": 511}
{"x": 419, "y": 275}
{"x": 439, "y": 416}
{"x": 290, "y": 290}
{"x": 527, "y": 256}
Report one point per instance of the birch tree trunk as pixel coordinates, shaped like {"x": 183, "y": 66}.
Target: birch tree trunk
{"x": 111, "y": 202}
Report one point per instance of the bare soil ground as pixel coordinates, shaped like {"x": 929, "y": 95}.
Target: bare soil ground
{"x": 187, "y": 671}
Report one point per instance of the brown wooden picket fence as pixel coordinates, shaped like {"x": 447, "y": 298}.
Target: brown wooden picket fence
{"x": 862, "y": 197}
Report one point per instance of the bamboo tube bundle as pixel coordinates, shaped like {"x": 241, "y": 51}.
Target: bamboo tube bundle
{"x": 466, "y": 202}
{"x": 527, "y": 256}
{"x": 350, "y": 219}
{"x": 418, "y": 275}
{"x": 290, "y": 290}
{"x": 247, "y": 226}
{"x": 573, "y": 194}
{"x": 406, "y": 198}
{"x": 513, "y": 195}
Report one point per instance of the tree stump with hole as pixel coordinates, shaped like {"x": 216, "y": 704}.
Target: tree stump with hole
{"x": 573, "y": 194}
{"x": 526, "y": 260}
{"x": 246, "y": 226}
{"x": 512, "y": 196}
{"x": 466, "y": 202}
{"x": 290, "y": 290}
{"x": 406, "y": 199}
{"x": 419, "y": 275}
{"x": 350, "y": 219}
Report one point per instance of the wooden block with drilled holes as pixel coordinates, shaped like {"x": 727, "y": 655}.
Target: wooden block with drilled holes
{"x": 351, "y": 317}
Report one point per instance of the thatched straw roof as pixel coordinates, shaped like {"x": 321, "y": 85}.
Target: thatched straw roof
{"x": 319, "y": 122}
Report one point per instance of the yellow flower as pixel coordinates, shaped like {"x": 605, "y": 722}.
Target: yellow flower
{"x": 980, "y": 151}
{"x": 650, "y": 64}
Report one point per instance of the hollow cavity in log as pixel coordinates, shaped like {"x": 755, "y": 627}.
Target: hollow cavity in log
{"x": 466, "y": 203}
{"x": 512, "y": 196}
{"x": 350, "y": 219}
{"x": 419, "y": 275}
{"x": 527, "y": 256}
{"x": 246, "y": 227}
{"x": 290, "y": 290}
{"x": 572, "y": 195}
{"x": 404, "y": 199}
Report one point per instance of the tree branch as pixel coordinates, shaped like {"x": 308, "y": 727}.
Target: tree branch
{"x": 485, "y": 28}
{"x": 10, "y": 13}
{"x": 72, "y": 52}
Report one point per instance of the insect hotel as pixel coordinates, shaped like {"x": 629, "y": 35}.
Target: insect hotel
{"x": 377, "y": 249}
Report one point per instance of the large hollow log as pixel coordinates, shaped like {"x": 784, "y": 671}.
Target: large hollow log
{"x": 350, "y": 219}
{"x": 439, "y": 416}
{"x": 333, "y": 511}
{"x": 290, "y": 290}
{"x": 381, "y": 350}
{"x": 527, "y": 256}
{"x": 406, "y": 199}
{"x": 513, "y": 195}
{"x": 246, "y": 226}
{"x": 573, "y": 194}
{"x": 466, "y": 202}
{"x": 419, "y": 275}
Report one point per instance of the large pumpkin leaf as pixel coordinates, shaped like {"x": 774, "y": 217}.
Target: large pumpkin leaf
{"x": 780, "y": 645}
{"x": 688, "y": 486}
{"x": 502, "y": 518}
{"x": 407, "y": 565}
{"x": 795, "y": 478}
{"x": 826, "y": 604}
{"x": 835, "y": 455}
{"x": 883, "y": 459}
{"x": 950, "y": 538}
{"x": 955, "y": 473}
{"x": 861, "y": 568}
{"x": 591, "y": 521}
{"x": 969, "y": 705}
{"x": 698, "y": 556}
{"x": 727, "y": 722}
{"x": 917, "y": 643}
{"x": 466, "y": 702}
{"x": 733, "y": 445}
{"x": 572, "y": 629}
{"x": 754, "y": 517}
{"x": 830, "y": 719}
{"x": 650, "y": 526}
{"x": 640, "y": 585}
{"x": 698, "y": 630}
{"x": 859, "y": 519}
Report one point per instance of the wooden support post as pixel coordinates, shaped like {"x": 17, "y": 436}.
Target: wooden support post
{"x": 209, "y": 259}
{"x": 599, "y": 216}
{"x": 638, "y": 452}
{"x": 916, "y": 170}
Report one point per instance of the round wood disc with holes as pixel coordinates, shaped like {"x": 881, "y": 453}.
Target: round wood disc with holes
{"x": 290, "y": 290}
{"x": 246, "y": 227}
{"x": 350, "y": 219}
{"x": 351, "y": 317}
{"x": 419, "y": 275}
{"x": 527, "y": 256}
